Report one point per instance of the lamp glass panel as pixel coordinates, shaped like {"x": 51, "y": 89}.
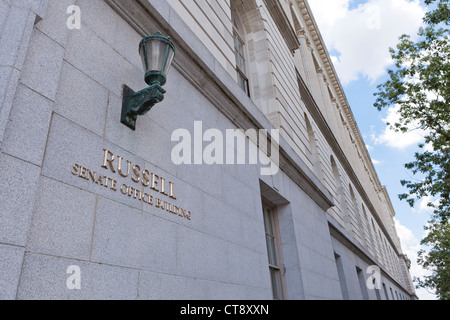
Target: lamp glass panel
{"x": 153, "y": 53}
{"x": 170, "y": 57}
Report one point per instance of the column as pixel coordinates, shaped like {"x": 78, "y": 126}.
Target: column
{"x": 16, "y": 28}
{"x": 310, "y": 69}
{"x": 18, "y": 20}
{"x": 326, "y": 108}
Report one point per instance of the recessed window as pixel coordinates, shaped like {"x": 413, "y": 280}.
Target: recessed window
{"x": 362, "y": 284}
{"x": 385, "y": 292}
{"x": 240, "y": 54}
{"x": 274, "y": 252}
{"x": 341, "y": 275}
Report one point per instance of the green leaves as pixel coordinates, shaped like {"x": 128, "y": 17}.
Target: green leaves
{"x": 437, "y": 259}
{"x": 420, "y": 86}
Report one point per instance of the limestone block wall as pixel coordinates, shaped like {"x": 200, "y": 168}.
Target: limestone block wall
{"x": 211, "y": 23}
{"x": 65, "y": 114}
{"x": 368, "y": 216}
{"x": 62, "y": 206}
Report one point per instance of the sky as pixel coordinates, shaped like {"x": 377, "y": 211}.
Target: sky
{"x": 358, "y": 35}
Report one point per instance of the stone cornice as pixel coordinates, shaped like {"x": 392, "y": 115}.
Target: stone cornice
{"x": 330, "y": 72}
{"x": 325, "y": 129}
{"x": 335, "y": 83}
{"x": 388, "y": 200}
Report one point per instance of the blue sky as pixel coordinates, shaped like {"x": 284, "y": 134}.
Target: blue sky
{"x": 358, "y": 34}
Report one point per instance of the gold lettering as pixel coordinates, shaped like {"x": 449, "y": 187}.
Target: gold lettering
{"x": 122, "y": 189}
{"x": 162, "y": 186}
{"x": 155, "y": 179}
{"x": 136, "y": 192}
{"x": 145, "y": 178}
{"x": 106, "y": 181}
{"x": 119, "y": 167}
{"x": 75, "y": 169}
{"x": 113, "y": 185}
{"x": 100, "y": 180}
{"x": 136, "y": 170}
{"x": 83, "y": 173}
{"x": 93, "y": 175}
{"x": 171, "y": 191}
{"x": 110, "y": 160}
{"x": 130, "y": 191}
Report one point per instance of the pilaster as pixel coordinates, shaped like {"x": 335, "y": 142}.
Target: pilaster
{"x": 17, "y": 20}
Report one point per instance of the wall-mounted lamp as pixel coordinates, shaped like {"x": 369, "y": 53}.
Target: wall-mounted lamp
{"x": 157, "y": 53}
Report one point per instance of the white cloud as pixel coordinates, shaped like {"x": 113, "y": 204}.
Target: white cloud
{"x": 377, "y": 161}
{"x": 411, "y": 246}
{"x": 398, "y": 140}
{"x": 423, "y": 207}
{"x": 363, "y": 35}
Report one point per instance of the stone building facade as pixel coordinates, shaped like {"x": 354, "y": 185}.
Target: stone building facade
{"x": 90, "y": 209}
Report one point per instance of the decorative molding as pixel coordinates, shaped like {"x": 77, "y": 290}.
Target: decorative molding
{"x": 325, "y": 129}
{"x": 388, "y": 200}
{"x": 335, "y": 83}
{"x": 284, "y": 25}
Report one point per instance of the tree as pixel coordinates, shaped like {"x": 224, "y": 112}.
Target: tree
{"x": 437, "y": 259}
{"x": 420, "y": 87}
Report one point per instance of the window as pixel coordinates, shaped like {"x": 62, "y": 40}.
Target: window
{"x": 362, "y": 284}
{"x": 342, "y": 282}
{"x": 311, "y": 137}
{"x": 315, "y": 159}
{"x": 377, "y": 293}
{"x": 375, "y": 242}
{"x": 340, "y": 204}
{"x": 274, "y": 252}
{"x": 370, "y": 240}
{"x": 239, "y": 51}
{"x": 360, "y": 230}
{"x": 385, "y": 292}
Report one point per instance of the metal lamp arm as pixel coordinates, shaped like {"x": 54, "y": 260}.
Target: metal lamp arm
{"x": 139, "y": 103}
